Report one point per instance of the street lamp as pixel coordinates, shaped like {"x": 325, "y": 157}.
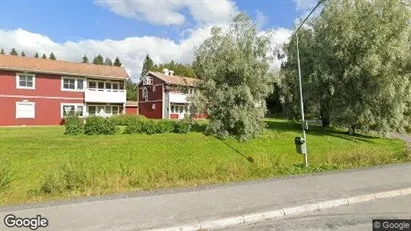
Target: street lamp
{"x": 303, "y": 122}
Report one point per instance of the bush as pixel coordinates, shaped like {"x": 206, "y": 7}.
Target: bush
{"x": 182, "y": 126}
{"x": 74, "y": 125}
{"x": 134, "y": 125}
{"x": 165, "y": 126}
{"x": 6, "y": 174}
{"x": 96, "y": 125}
{"x": 124, "y": 120}
{"x": 149, "y": 127}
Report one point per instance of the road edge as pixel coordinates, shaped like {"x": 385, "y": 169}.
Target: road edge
{"x": 283, "y": 212}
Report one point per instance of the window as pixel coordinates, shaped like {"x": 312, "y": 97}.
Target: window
{"x": 25, "y": 110}
{"x": 72, "y": 110}
{"x": 172, "y": 109}
{"x": 72, "y": 84}
{"x": 107, "y": 110}
{"x": 154, "y": 88}
{"x": 108, "y": 85}
{"x": 25, "y": 81}
{"x": 116, "y": 110}
{"x": 115, "y": 86}
{"x": 101, "y": 86}
{"x": 145, "y": 94}
{"x": 91, "y": 110}
{"x": 92, "y": 85}
{"x": 153, "y": 106}
{"x": 148, "y": 80}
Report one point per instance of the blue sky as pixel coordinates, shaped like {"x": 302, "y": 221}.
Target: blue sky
{"x": 84, "y": 26}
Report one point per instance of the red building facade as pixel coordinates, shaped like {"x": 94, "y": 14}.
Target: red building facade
{"x": 41, "y": 92}
{"x": 165, "y": 96}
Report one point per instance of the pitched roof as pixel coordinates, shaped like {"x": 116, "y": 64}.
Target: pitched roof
{"x": 19, "y": 63}
{"x": 175, "y": 79}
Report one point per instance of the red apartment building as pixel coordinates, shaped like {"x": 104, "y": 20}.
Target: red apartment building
{"x": 164, "y": 95}
{"x": 42, "y": 91}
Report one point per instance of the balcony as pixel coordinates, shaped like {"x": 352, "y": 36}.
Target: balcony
{"x": 94, "y": 95}
{"x": 178, "y": 98}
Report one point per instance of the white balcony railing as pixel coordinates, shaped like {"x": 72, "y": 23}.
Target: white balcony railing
{"x": 178, "y": 98}
{"x": 104, "y": 95}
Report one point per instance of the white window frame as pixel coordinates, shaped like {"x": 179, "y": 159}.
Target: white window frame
{"x": 103, "y": 106}
{"x": 75, "y": 83}
{"x": 25, "y": 102}
{"x": 148, "y": 80}
{"x": 111, "y": 89}
{"x": 22, "y": 87}
{"x": 75, "y": 107}
{"x": 154, "y": 88}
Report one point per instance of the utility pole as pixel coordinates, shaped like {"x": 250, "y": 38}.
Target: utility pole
{"x": 303, "y": 122}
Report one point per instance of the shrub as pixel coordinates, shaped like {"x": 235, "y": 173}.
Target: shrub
{"x": 149, "y": 127}
{"x": 124, "y": 120}
{"x": 96, "y": 125}
{"x": 165, "y": 126}
{"x": 6, "y": 175}
{"x": 74, "y": 125}
{"x": 134, "y": 125}
{"x": 182, "y": 126}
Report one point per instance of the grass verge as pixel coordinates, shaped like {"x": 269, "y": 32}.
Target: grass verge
{"x": 44, "y": 164}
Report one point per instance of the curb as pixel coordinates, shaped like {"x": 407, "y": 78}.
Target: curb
{"x": 276, "y": 214}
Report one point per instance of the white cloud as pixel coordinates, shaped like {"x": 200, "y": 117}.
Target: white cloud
{"x": 260, "y": 19}
{"x": 305, "y": 5}
{"x": 170, "y": 12}
{"x": 131, "y": 50}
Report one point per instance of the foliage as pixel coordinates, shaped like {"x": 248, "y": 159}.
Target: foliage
{"x": 165, "y": 126}
{"x": 84, "y": 59}
{"x": 98, "y": 60}
{"x": 355, "y": 65}
{"x": 178, "y": 68}
{"x": 74, "y": 125}
{"x": 51, "y": 56}
{"x": 117, "y": 62}
{"x": 23, "y": 54}
{"x": 124, "y": 120}
{"x": 182, "y": 126}
{"x": 234, "y": 65}
{"x": 13, "y": 52}
{"x": 6, "y": 174}
{"x": 36, "y": 55}
{"x": 2, "y": 51}
{"x": 108, "y": 62}
{"x": 147, "y": 66}
{"x": 44, "y": 56}
{"x": 131, "y": 89}
{"x": 96, "y": 125}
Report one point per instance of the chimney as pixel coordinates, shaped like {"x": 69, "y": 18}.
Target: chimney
{"x": 165, "y": 71}
{"x": 170, "y": 72}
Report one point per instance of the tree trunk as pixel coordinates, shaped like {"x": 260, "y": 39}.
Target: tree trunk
{"x": 325, "y": 117}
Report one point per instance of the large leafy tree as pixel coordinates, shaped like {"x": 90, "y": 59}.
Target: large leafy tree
{"x": 147, "y": 65}
{"x": 365, "y": 48}
{"x": 234, "y": 65}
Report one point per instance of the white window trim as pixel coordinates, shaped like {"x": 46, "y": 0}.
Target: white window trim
{"x": 27, "y": 74}
{"x": 145, "y": 94}
{"x": 75, "y": 83}
{"x": 25, "y": 102}
{"x": 111, "y": 89}
{"x": 102, "y": 105}
{"x": 75, "y": 104}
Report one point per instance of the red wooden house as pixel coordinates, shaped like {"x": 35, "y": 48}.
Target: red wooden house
{"x": 165, "y": 95}
{"x": 42, "y": 91}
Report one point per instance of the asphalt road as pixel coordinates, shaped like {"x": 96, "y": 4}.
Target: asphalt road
{"x": 346, "y": 218}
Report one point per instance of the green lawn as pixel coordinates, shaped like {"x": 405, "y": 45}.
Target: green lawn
{"x": 109, "y": 164}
